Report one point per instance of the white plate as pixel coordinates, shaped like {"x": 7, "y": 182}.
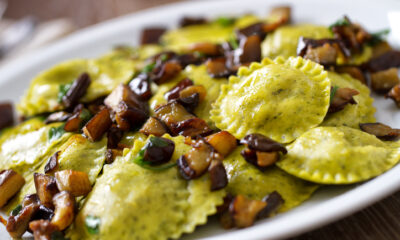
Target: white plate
{"x": 329, "y": 203}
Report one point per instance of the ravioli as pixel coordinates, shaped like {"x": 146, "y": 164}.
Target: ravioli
{"x": 242, "y": 174}
{"x": 353, "y": 114}
{"x": 105, "y": 72}
{"x": 339, "y": 155}
{"x": 136, "y": 203}
{"x": 199, "y": 75}
{"x": 280, "y": 99}
{"x": 283, "y": 42}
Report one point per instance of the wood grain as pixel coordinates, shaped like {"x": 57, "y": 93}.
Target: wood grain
{"x": 380, "y": 221}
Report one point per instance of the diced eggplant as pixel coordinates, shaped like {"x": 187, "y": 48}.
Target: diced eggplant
{"x": 75, "y": 182}
{"x": 281, "y": 14}
{"x": 217, "y": 68}
{"x": 140, "y": 85}
{"x": 190, "y": 90}
{"x": 223, "y": 142}
{"x": 42, "y": 229}
{"x": 98, "y": 125}
{"x": 111, "y": 154}
{"x": 17, "y": 225}
{"x": 244, "y": 211}
{"x": 52, "y": 164}
{"x": 60, "y": 116}
{"x": 274, "y": 201}
{"x": 394, "y": 94}
{"x": 64, "y": 212}
{"x": 253, "y": 29}
{"x": 80, "y": 116}
{"x": 191, "y": 128}
{"x": 155, "y": 127}
{"x": 190, "y": 103}
{"x": 152, "y": 35}
{"x": 266, "y": 159}
{"x": 206, "y": 48}
{"x": 173, "y": 93}
{"x": 380, "y": 48}
{"x": 381, "y": 131}
{"x": 259, "y": 142}
{"x": 46, "y": 188}
{"x": 325, "y": 55}
{"x": 250, "y": 49}
{"x": 114, "y": 136}
{"x": 341, "y": 98}
{"x": 10, "y": 183}
{"x": 29, "y": 199}
{"x": 76, "y": 91}
{"x": 172, "y": 113}
{"x": 390, "y": 59}
{"x": 218, "y": 176}
{"x": 6, "y": 115}
{"x": 383, "y": 81}
{"x": 43, "y": 213}
{"x": 196, "y": 162}
{"x": 353, "y": 71}
{"x": 158, "y": 150}
{"x": 166, "y": 72}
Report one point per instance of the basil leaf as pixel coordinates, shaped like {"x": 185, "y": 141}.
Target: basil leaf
{"x": 333, "y": 92}
{"x": 58, "y": 236}
{"x": 148, "y": 68}
{"x": 234, "y": 43}
{"x": 62, "y": 91}
{"x": 377, "y": 37}
{"x": 92, "y": 224}
{"x": 56, "y": 132}
{"x": 225, "y": 21}
{"x": 164, "y": 57}
{"x": 341, "y": 22}
{"x": 16, "y": 210}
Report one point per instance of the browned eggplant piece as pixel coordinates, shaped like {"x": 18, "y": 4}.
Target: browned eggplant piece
{"x": 244, "y": 211}
{"x": 250, "y": 49}
{"x": 206, "y": 48}
{"x": 223, "y": 142}
{"x": 52, "y": 164}
{"x": 6, "y": 115}
{"x": 353, "y": 35}
{"x": 77, "y": 90}
{"x": 158, "y": 150}
{"x": 111, "y": 154}
{"x": 166, "y": 72}
{"x": 60, "y": 116}
{"x": 218, "y": 176}
{"x": 342, "y": 97}
{"x": 46, "y": 188}
{"x": 383, "y": 81}
{"x": 172, "y": 113}
{"x": 43, "y": 213}
{"x": 29, "y": 199}
{"x": 353, "y": 71}
{"x": 196, "y": 162}
{"x": 189, "y": 58}
{"x": 283, "y": 13}
{"x": 253, "y": 29}
{"x": 190, "y": 103}
{"x": 189, "y": 21}
{"x": 141, "y": 86}
{"x": 64, "y": 212}
{"x": 98, "y": 125}
{"x": 322, "y": 50}
{"x": 10, "y": 183}
{"x": 190, "y": 90}
{"x": 274, "y": 201}
{"x": 17, "y": 225}
{"x": 381, "y": 131}
{"x": 42, "y": 229}
{"x": 380, "y": 48}
{"x": 173, "y": 93}
{"x": 394, "y": 94}
{"x": 75, "y": 182}
{"x": 78, "y": 118}
{"x": 325, "y": 55}
{"x": 390, "y": 59}
{"x": 191, "y": 128}
{"x": 114, "y": 136}
{"x": 151, "y": 35}
{"x": 259, "y": 142}
{"x": 262, "y": 160}
{"x": 217, "y": 68}
{"x": 155, "y": 127}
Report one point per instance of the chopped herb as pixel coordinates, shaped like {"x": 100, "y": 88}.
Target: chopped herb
{"x": 234, "y": 43}
{"x": 92, "y": 224}
{"x": 58, "y": 236}
{"x": 225, "y": 21}
{"x": 16, "y": 210}
{"x": 164, "y": 57}
{"x": 341, "y": 22}
{"x": 85, "y": 116}
{"x": 148, "y": 68}
{"x": 62, "y": 91}
{"x": 333, "y": 92}
{"x": 377, "y": 37}
{"x": 56, "y": 132}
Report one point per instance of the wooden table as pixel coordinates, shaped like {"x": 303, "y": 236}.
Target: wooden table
{"x": 380, "y": 221}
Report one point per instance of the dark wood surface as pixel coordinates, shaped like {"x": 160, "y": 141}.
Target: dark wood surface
{"x": 380, "y": 221}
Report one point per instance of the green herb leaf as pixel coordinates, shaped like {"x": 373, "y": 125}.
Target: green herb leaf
{"x": 234, "y": 43}
{"x": 139, "y": 160}
{"x": 225, "y": 21}
{"x": 164, "y": 57}
{"x": 16, "y": 210}
{"x": 58, "y": 236}
{"x": 92, "y": 224}
{"x": 148, "y": 68}
{"x": 333, "y": 92}
{"x": 62, "y": 91}
{"x": 158, "y": 142}
{"x": 341, "y": 22}
{"x": 56, "y": 132}
{"x": 377, "y": 37}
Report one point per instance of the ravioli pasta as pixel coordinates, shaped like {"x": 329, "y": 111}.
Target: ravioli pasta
{"x": 280, "y": 99}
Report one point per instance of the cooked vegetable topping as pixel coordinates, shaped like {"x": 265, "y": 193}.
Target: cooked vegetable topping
{"x": 389, "y": 59}
{"x": 157, "y": 151}
{"x": 385, "y": 80}
{"x": 17, "y": 225}
{"x": 60, "y": 116}
{"x": 64, "y": 213}
{"x": 114, "y": 136}
{"x": 207, "y": 49}
{"x": 75, "y": 182}
{"x": 6, "y": 115}
{"x": 52, "y": 164}
{"x": 79, "y": 118}
{"x": 16, "y": 210}
{"x": 274, "y": 201}
{"x": 155, "y": 127}
{"x": 223, "y": 142}
{"x": 76, "y": 91}
{"x": 377, "y": 37}
{"x": 174, "y": 92}
{"x": 92, "y": 224}
{"x": 381, "y": 131}
{"x": 46, "y": 188}
{"x": 98, "y": 125}
{"x": 218, "y": 176}
{"x": 10, "y": 183}
{"x": 43, "y": 229}
{"x": 353, "y": 71}
{"x": 394, "y": 94}
{"x": 342, "y": 97}
{"x": 141, "y": 86}
{"x": 151, "y": 35}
